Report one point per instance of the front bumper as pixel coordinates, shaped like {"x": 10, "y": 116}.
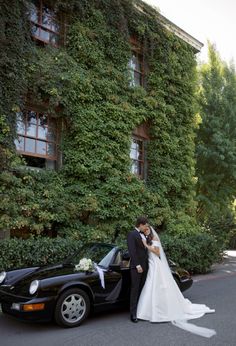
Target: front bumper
{"x": 14, "y": 305}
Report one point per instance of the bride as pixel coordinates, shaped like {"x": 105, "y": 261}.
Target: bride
{"x": 161, "y": 299}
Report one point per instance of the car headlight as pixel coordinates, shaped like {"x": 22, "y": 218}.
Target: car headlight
{"x": 2, "y": 277}
{"x": 33, "y": 286}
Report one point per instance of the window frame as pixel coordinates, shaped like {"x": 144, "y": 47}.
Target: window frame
{"x": 60, "y": 34}
{"x": 137, "y": 51}
{"x": 140, "y": 161}
{"x": 36, "y": 137}
{"x": 141, "y": 133}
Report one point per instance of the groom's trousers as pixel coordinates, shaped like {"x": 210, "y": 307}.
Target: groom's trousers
{"x": 137, "y": 283}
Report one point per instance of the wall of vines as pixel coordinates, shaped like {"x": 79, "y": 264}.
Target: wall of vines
{"x": 94, "y": 195}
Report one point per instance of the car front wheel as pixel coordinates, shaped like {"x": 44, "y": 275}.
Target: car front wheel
{"x": 72, "y": 308}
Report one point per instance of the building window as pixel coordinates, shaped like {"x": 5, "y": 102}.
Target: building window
{"x": 45, "y": 26}
{"x": 137, "y": 157}
{"x": 136, "y": 64}
{"x": 37, "y": 138}
{"x": 138, "y": 154}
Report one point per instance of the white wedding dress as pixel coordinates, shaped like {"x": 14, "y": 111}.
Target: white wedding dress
{"x": 162, "y": 301}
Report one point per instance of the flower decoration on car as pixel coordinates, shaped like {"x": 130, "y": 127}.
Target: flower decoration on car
{"x": 85, "y": 264}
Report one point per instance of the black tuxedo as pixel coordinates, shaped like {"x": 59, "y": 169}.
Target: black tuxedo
{"x": 138, "y": 256}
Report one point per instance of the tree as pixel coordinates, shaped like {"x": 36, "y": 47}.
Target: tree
{"x": 216, "y": 139}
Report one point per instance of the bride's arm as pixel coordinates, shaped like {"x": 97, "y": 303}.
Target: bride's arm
{"x": 154, "y": 249}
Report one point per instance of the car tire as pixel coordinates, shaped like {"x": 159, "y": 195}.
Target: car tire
{"x": 72, "y": 308}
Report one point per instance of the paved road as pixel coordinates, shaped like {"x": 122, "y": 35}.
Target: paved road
{"x": 216, "y": 289}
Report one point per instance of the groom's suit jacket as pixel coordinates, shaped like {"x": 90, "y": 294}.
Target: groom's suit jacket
{"x": 138, "y": 252}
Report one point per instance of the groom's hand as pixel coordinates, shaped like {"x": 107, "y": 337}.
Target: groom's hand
{"x": 139, "y": 269}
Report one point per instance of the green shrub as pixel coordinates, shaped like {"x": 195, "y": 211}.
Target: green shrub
{"x": 16, "y": 253}
{"x": 195, "y": 253}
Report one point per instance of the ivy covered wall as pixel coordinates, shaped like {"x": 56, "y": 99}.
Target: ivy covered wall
{"x": 86, "y": 84}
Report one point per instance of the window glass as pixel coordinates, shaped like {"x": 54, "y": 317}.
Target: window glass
{"x": 98, "y": 253}
{"x": 19, "y": 116}
{"x": 42, "y": 126}
{"x": 20, "y": 124}
{"x": 137, "y": 157}
{"x": 55, "y": 26}
{"x": 41, "y": 147}
{"x": 32, "y": 117}
{"x": 107, "y": 259}
{"x": 45, "y": 27}
{"x": 42, "y": 132}
{"x": 136, "y": 149}
{"x": 19, "y": 143}
{"x": 35, "y": 135}
{"x": 136, "y": 64}
{"x": 44, "y": 35}
{"x": 35, "y": 31}
{"x": 43, "y": 120}
{"x": 133, "y": 153}
{"x": 31, "y": 124}
{"x": 46, "y": 17}
{"x": 31, "y": 130}
{"x": 134, "y": 167}
{"x": 33, "y": 13}
{"x": 30, "y": 145}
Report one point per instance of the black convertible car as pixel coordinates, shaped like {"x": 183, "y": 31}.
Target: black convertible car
{"x": 67, "y": 294}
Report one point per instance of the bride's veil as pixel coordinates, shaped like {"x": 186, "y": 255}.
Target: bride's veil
{"x": 181, "y": 322}
{"x": 162, "y": 255}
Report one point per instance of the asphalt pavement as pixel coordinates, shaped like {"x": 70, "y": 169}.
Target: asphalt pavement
{"x": 227, "y": 267}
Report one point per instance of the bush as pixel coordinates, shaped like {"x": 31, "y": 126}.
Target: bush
{"x": 196, "y": 253}
{"x": 18, "y": 253}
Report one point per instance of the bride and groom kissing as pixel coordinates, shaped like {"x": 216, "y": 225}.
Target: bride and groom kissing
{"x": 154, "y": 295}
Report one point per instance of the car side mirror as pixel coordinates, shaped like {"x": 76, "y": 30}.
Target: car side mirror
{"x": 115, "y": 267}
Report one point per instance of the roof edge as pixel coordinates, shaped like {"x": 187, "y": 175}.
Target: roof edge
{"x": 175, "y": 29}
{"x": 180, "y": 33}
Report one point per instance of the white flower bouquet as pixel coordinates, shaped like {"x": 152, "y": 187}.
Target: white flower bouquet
{"x": 85, "y": 265}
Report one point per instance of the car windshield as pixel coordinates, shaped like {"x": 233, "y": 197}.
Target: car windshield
{"x": 101, "y": 254}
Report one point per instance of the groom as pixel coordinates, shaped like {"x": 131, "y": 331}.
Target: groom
{"x": 138, "y": 264}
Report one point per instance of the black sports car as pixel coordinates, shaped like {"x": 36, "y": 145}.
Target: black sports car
{"x": 68, "y": 294}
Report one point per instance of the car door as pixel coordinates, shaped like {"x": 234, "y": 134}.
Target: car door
{"x": 112, "y": 279}
{"x": 117, "y": 279}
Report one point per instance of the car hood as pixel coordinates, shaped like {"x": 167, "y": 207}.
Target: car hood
{"x": 22, "y": 278}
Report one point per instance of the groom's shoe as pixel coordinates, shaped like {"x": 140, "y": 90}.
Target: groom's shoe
{"x": 133, "y": 319}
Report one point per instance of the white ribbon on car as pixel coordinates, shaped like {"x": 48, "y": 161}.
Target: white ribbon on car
{"x": 101, "y": 274}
